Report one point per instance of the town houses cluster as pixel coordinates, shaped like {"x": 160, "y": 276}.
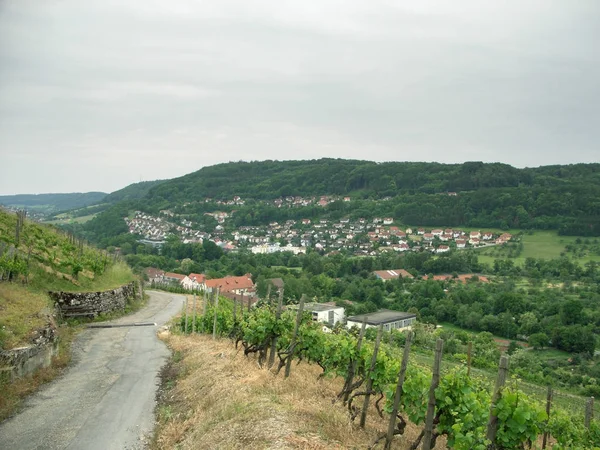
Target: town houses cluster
{"x": 359, "y": 236}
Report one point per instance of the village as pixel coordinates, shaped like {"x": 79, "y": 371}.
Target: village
{"x": 360, "y": 237}
{"x": 242, "y": 290}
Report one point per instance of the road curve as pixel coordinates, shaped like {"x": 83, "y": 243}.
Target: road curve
{"x": 105, "y": 400}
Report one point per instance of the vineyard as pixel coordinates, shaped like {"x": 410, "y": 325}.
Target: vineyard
{"x": 49, "y": 259}
{"x": 466, "y": 409}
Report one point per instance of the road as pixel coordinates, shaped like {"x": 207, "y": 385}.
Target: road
{"x": 106, "y": 399}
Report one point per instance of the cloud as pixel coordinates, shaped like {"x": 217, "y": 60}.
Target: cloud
{"x": 96, "y": 94}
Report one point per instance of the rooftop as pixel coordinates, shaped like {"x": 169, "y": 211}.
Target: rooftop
{"x": 320, "y": 307}
{"x": 382, "y": 316}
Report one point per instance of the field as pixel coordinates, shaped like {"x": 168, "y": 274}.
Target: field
{"x": 67, "y": 219}
{"x": 539, "y": 244}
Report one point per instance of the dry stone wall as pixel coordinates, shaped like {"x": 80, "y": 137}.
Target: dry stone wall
{"x": 22, "y": 361}
{"x": 92, "y": 304}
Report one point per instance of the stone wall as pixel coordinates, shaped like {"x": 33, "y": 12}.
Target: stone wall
{"x": 22, "y": 361}
{"x": 92, "y": 304}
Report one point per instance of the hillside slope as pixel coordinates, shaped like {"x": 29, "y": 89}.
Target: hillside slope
{"x": 51, "y": 203}
{"x": 36, "y": 259}
{"x": 222, "y": 399}
{"x": 563, "y": 198}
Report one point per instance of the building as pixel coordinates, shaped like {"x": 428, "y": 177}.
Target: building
{"x": 236, "y": 285}
{"x": 154, "y": 275}
{"x": 326, "y": 312}
{"x": 392, "y": 274}
{"x": 391, "y": 320}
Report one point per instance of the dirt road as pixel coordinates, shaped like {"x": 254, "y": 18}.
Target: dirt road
{"x": 105, "y": 400}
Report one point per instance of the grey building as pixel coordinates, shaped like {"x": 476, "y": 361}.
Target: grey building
{"x": 391, "y": 320}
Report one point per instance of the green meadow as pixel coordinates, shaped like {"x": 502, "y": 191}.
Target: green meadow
{"x": 543, "y": 244}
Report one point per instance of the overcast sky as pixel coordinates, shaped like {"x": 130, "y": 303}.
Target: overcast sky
{"x": 97, "y": 94}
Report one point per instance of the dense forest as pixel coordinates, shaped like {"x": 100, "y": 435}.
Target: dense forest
{"x": 131, "y": 192}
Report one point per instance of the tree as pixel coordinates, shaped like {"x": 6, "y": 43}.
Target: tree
{"x": 512, "y": 347}
{"x": 539, "y": 340}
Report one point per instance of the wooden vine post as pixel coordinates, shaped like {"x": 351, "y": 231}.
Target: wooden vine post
{"x": 363, "y": 415}
{"x": 290, "y": 356}
{"x": 204, "y": 306}
{"x": 352, "y": 365}
{"x": 215, "y": 316}
{"x": 398, "y": 394}
{"x": 186, "y": 316}
{"x": 234, "y": 310}
{"x": 589, "y": 412}
{"x": 194, "y": 316}
{"x": 492, "y": 426}
{"x": 435, "y": 381}
{"x": 274, "y": 340}
{"x": 469, "y": 350}
{"x": 269, "y": 294}
{"x": 548, "y": 405}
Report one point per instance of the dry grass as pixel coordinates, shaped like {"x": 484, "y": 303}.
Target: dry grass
{"x": 21, "y": 312}
{"x": 223, "y": 400}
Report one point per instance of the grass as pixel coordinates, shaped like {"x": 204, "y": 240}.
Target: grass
{"x": 221, "y": 399}
{"x": 539, "y": 244}
{"x": 14, "y": 392}
{"x": 21, "y": 312}
{"x": 114, "y": 276}
{"x": 62, "y": 220}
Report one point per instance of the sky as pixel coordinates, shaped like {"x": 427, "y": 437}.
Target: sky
{"x": 98, "y": 94}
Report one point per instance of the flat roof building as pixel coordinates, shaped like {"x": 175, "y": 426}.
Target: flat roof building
{"x": 391, "y": 320}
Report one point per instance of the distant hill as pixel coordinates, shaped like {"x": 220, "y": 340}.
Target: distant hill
{"x": 272, "y": 179}
{"x": 472, "y": 194}
{"x": 51, "y": 203}
{"x": 132, "y": 192}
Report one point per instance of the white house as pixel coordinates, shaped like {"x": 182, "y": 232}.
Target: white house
{"x": 324, "y": 312}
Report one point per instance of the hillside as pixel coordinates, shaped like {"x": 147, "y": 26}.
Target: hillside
{"x": 473, "y": 194}
{"x": 132, "y": 192}
{"x": 252, "y": 409}
{"x": 34, "y": 259}
{"x": 38, "y": 258}
{"x": 51, "y": 203}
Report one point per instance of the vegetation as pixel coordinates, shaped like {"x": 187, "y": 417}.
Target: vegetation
{"x": 559, "y": 198}
{"x": 462, "y": 402}
{"x": 35, "y": 259}
{"x": 51, "y": 203}
{"x": 132, "y": 192}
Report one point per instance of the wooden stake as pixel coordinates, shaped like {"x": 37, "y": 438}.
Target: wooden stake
{"x": 469, "y": 350}
{"x": 290, "y": 356}
{"x": 363, "y": 415}
{"x": 186, "y": 315}
{"x": 204, "y": 306}
{"x": 589, "y": 412}
{"x": 392, "y": 425}
{"x": 492, "y": 425}
{"x": 194, "y": 316}
{"x": 215, "y": 317}
{"x": 548, "y": 405}
{"x": 435, "y": 381}
{"x": 274, "y": 340}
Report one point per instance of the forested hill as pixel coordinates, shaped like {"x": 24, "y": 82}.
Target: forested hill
{"x": 52, "y": 202}
{"x": 272, "y": 179}
{"x": 132, "y": 192}
{"x": 488, "y": 195}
